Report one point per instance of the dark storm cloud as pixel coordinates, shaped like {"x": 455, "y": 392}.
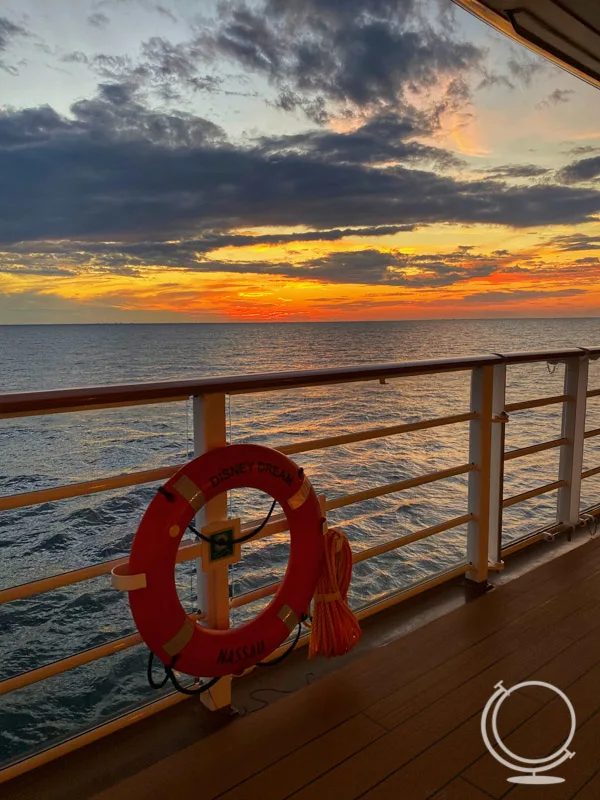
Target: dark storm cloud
{"x": 362, "y": 53}
{"x": 9, "y": 32}
{"x": 117, "y": 169}
{"x": 187, "y": 253}
{"x": 387, "y": 138}
{"x": 575, "y": 242}
{"x": 517, "y": 171}
{"x": 585, "y": 169}
{"x": 368, "y": 266}
{"x": 399, "y": 269}
{"x": 113, "y": 116}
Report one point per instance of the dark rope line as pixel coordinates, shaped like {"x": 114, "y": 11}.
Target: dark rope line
{"x": 280, "y": 658}
{"x": 170, "y": 675}
{"x": 192, "y": 528}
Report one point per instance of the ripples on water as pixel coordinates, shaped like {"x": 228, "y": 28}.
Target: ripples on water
{"x": 41, "y": 452}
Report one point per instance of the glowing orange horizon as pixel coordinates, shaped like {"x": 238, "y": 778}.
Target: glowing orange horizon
{"x": 537, "y": 279}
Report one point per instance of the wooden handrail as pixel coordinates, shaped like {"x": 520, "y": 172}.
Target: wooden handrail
{"x": 21, "y": 404}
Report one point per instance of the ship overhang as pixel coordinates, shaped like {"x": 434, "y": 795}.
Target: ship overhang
{"x": 567, "y": 32}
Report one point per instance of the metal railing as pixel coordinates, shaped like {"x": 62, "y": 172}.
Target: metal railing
{"x": 486, "y": 417}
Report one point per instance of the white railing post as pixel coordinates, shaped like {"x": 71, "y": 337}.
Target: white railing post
{"x": 498, "y": 437}
{"x": 573, "y": 430}
{"x": 213, "y": 587}
{"x": 480, "y": 453}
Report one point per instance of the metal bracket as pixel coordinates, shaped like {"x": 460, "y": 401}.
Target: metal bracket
{"x": 122, "y": 580}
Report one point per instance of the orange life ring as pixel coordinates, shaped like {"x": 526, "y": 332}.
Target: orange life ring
{"x": 160, "y": 618}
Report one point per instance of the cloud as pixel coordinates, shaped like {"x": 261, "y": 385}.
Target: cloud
{"x": 384, "y": 139}
{"x": 516, "y": 295}
{"x": 525, "y": 68}
{"x": 53, "y": 257}
{"x": 359, "y": 53}
{"x": 162, "y": 67}
{"x": 98, "y": 20}
{"x": 585, "y": 169}
{"x": 575, "y": 242}
{"x": 555, "y": 98}
{"x": 165, "y": 12}
{"x": 116, "y": 169}
{"x": 517, "y": 171}
{"x": 582, "y": 150}
{"x": 366, "y": 266}
{"x": 396, "y": 268}
{"x": 113, "y": 115}
{"x": 9, "y": 31}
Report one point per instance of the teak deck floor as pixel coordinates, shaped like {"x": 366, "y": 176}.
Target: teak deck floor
{"x": 403, "y": 721}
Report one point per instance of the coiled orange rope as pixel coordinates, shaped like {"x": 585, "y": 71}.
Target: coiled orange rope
{"x": 335, "y": 629}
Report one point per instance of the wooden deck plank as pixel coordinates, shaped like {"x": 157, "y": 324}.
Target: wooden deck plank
{"x": 309, "y": 762}
{"x": 460, "y": 789}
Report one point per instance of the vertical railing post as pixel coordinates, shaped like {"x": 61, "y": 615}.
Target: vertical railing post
{"x": 498, "y": 437}
{"x": 573, "y": 430}
{"x": 480, "y": 453}
{"x": 213, "y": 587}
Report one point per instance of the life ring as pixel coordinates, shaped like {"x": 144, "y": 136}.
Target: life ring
{"x": 159, "y": 616}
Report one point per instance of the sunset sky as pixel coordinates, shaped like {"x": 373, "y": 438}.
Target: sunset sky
{"x": 276, "y": 160}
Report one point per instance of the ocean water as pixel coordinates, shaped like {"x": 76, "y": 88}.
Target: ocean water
{"x": 41, "y": 452}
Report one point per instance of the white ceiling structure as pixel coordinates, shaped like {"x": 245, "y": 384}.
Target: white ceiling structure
{"x": 565, "y": 31}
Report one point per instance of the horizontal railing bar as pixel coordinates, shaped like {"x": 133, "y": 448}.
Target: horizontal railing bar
{"x": 23, "y": 404}
{"x": 245, "y": 598}
{"x": 541, "y": 401}
{"x": 93, "y": 735}
{"x": 411, "y": 591}
{"x": 24, "y": 499}
{"x": 186, "y": 552}
{"x": 397, "y": 486}
{"x": 534, "y": 448}
{"x": 559, "y": 354}
{"x": 374, "y": 433}
{"x": 71, "y": 662}
{"x": 63, "y": 400}
{"x": 590, "y": 472}
{"x": 591, "y": 433}
{"x": 371, "y": 552}
{"x": 593, "y": 393}
{"x": 409, "y": 538}
{"x": 520, "y": 498}
{"x": 65, "y": 664}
